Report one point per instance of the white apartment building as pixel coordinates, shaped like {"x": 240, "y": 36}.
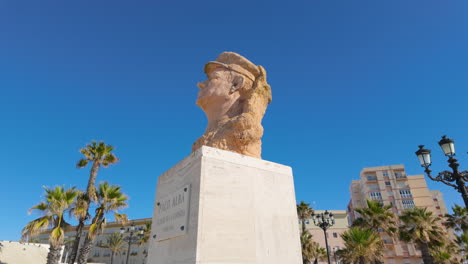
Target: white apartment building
{"x": 137, "y": 253}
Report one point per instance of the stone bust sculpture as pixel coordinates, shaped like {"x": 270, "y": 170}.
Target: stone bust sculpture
{"x": 234, "y": 99}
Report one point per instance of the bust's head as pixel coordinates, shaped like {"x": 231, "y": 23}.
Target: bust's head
{"x": 232, "y": 82}
{"x": 234, "y": 99}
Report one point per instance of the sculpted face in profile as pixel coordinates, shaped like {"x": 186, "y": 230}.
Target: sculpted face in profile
{"x": 234, "y": 99}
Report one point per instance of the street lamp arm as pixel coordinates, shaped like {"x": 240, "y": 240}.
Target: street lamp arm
{"x": 445, "y": 177}
{"x": 449, "y": 184}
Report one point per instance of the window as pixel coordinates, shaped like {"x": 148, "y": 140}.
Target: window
{"x": 375, "y": 196}
{"x": 385, "y": 173}
{"x": 405, "y": 194}
{"x": 373, "y": 186}
{"x": 388, "y": 183}
{"x": 392, "y": 203}
{"x": 408, "y": 204}
{"x": 438, "y": 207}
{"x": 307, "y": 222}
{"x": 404, "y": 248}
{"x": 96, "y": 254}
{"x": 390, "y": 193}
{"x": 335, "y": 235}
{"x": 435, "y": 199}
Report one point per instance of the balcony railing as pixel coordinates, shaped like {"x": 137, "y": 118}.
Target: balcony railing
{"x": 400, "y": 176}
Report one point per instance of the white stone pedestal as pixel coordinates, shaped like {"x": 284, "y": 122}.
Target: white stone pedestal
{"x": 217, "y": 207}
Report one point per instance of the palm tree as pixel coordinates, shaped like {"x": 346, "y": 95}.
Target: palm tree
{"x": 443, "y": 254}
{"x": 304, "y": 211}
{"x": 462, "y": 242}
{"x": 377, "y": 217}
{"x": 115, "y": 243}
{"x": 144, "y": 238}
{"x": 318, "y": 252}
{"x": 361, "y": 246}
{"x": 57, "y": 202}
{"x": 458, "y": 220}
{"x": 110, "y": 199}
{"x": 422, "y": 228}
{"x": 307, "y": 247}
{"x": 441, "y": 257}
{"x": 98, "y": 154}
{"x": 146, "y": 233}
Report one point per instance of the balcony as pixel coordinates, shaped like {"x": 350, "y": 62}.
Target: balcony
{"x": 399, "y": 176}
{"x": 371, "y": 178}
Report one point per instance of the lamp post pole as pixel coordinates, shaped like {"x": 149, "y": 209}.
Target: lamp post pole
{"x": 324, "y": 221}
{"x": 454, "y": 178}
{"x": 334, "y": 254}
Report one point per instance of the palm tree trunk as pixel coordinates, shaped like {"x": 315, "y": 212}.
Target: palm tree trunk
{"x": 76, "y": 243}
{"x": 316, "y": 261}
{"x": 112, "y": 257}
{"x": 53, "y": 257}
{"x": 84, "y": 251}
{"x": 90, "y": 189}
{"x": 361, "y": 260}
{"x": 426, "y": 256}
{"x": 88, "y": 243}
{"x": 303, "y": 225}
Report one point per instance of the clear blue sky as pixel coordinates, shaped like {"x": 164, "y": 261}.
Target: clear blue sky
{"x": 355, "y": 84}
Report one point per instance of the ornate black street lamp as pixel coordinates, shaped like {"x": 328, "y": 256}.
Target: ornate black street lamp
{"x": 324, "y": 221}
{"x": 131, "y": 239}
{"x": 446, "y": 177}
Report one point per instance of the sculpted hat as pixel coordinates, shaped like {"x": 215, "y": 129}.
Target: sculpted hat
{"x": 234, "y": 62}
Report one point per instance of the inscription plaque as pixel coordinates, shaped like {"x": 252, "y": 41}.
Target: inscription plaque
{"x": 172, "y": 214}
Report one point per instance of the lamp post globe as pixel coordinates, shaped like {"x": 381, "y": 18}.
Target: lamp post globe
{"x": 448, "y": 146}
{"x": 424, "y": 156}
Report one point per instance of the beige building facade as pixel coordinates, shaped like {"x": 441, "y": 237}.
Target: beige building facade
{"x": 333, "y": 233}
{"x": 138, "y": 254}
{"x": 392, "y": 186}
